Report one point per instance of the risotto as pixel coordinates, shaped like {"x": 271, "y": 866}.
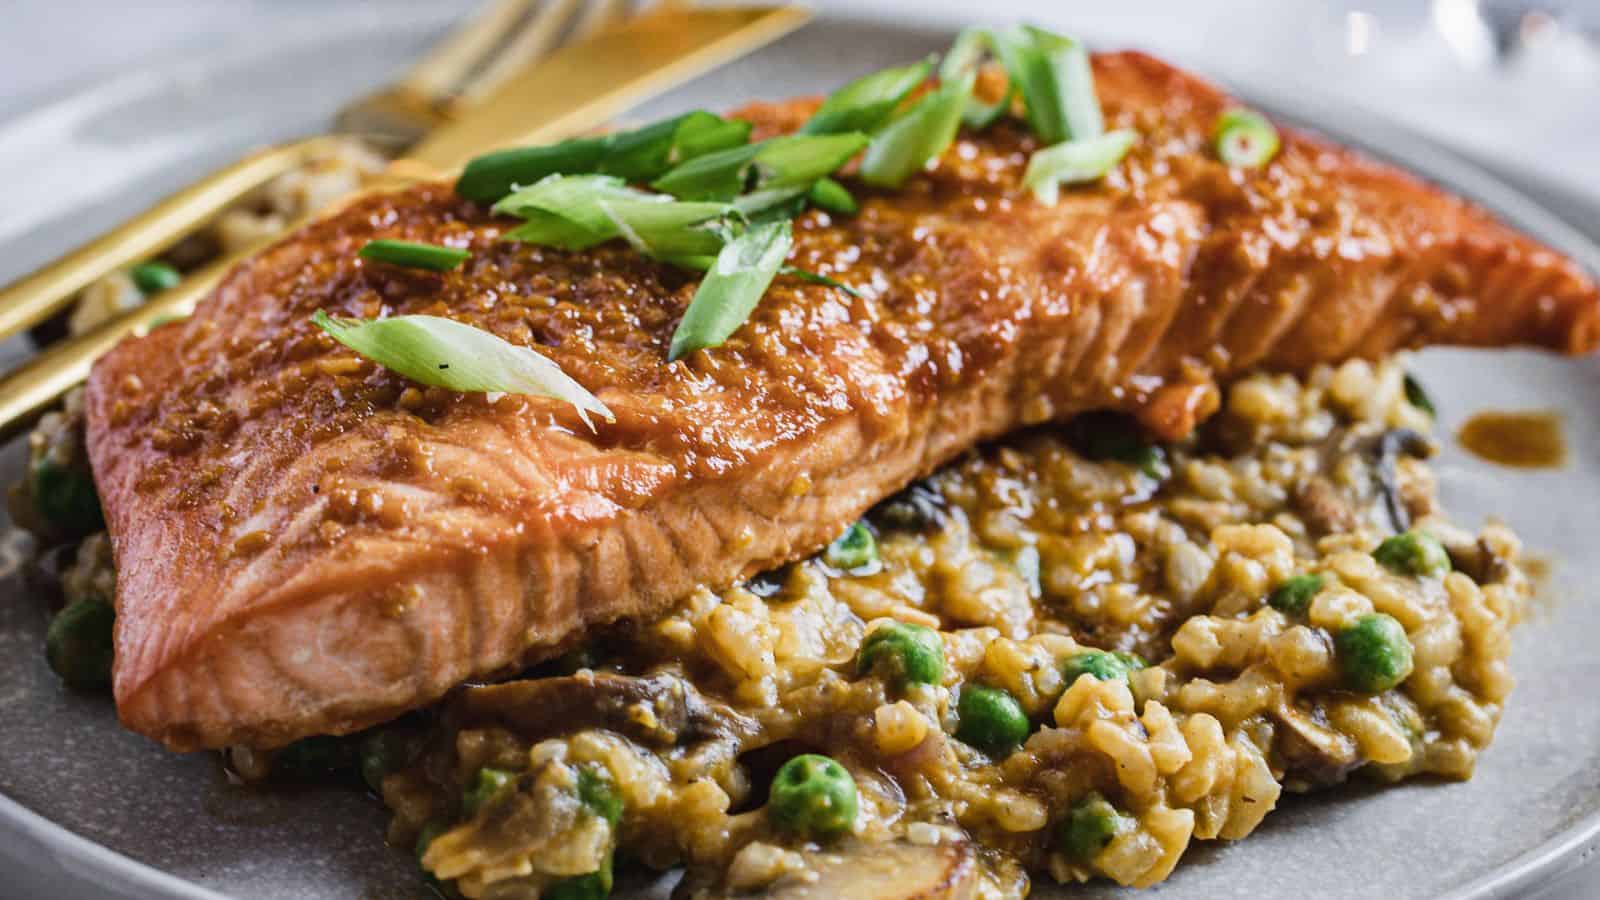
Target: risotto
{"x": 1074, "y": 651}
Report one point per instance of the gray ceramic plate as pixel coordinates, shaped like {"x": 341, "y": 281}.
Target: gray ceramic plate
{"x": 88, "y": 810}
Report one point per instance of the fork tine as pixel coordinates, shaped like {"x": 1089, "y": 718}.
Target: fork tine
{"x": 38, "y": 296}
{"x": 537, "y": 37}
{"x": 600, "y": 14}
{"x": 442, "y": 72}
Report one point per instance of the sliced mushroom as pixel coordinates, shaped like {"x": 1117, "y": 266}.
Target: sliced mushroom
{"x": 1388, "y": 447}
{"x": 660, "y": 709}
{"x": 893, "y": 870}
{"x": 1312, "y": 752}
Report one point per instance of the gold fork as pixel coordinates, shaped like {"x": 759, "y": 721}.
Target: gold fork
{"x": 575, "y": 89}
{"x": 465, "y": 67}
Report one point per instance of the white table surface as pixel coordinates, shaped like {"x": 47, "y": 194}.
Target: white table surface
{"x": 1535, "y": 116}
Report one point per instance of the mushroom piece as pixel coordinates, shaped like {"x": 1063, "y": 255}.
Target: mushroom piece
{"x": 1388, "y": 447}
{"x": 1313, "y": 753}
{"x": 861, "y": 870}
{"x": 660, "y": 709}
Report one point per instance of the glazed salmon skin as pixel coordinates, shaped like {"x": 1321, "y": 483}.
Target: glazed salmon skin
{"x": 307, "y": 543}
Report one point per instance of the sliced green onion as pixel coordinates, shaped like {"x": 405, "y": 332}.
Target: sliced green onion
{"x": 921, "y": 133}
{"x": 777, "y": 203}
{"x": 1245, "y": 138}
{"x": 1055, "y": 78}
{"x": 449, "y": 354}
{"x": 574, "y": 212}
{"x": 637, "y": 155}
{"x": 866, "y": 103}
{"x": 646, "y": 153}
{"x": 732, "y": 288}
{"x": 966, "y": 55}
{"x": 494, "y": 175}
{"x": 153, "y": 277}
{"x": 832, "y": 196}
{"x": 793, "y": 161}
{"x": 413, "y": 255}
{"x": 818, "y": 278}
{"x": 1075, "y": 162}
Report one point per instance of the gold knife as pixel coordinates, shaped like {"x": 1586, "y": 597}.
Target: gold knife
{"x": 574, "y": 89}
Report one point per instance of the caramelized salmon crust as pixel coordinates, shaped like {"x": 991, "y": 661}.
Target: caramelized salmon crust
{"x": 1143, "y": 617}
{"x": 310, "y": 544}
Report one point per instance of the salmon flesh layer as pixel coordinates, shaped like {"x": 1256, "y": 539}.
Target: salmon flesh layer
{"x": 307, "y": 543}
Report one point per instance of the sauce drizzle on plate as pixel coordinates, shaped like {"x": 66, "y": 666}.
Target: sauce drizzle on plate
{"x": 1530, "y": 439}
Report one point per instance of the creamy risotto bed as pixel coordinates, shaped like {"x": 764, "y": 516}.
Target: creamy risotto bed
{"x": 1070, "y": 654}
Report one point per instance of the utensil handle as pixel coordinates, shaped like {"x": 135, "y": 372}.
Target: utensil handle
{"x": 34, "y": 298}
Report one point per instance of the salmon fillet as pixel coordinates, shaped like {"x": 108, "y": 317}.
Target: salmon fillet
{"x": 307, "y": 543}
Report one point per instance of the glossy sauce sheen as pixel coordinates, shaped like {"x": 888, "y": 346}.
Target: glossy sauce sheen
{"x": 1524, "y": 439}
{"x": 307, "y": 543}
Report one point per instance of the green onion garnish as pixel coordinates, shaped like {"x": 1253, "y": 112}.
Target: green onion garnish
{"x": 646, "y": 153}
{"x": 1245, "y": 138}
{"x": 732, "y": 287}
{"x": 793, "y": 161}
{"x": 152, "y": 278}
{"x": 575, "y": 212}
{"x": 866, "y": 103}
{"x": 494, "y": 175}
{"x": 832, "y": 196}
{"x": 454, "y": 355}
{"x": 637, "y": 155}
{"x": 921, "y": 133}
{"x": 413, "y": 255}
{"x": 1052, "y": 72}
{"x": 811, "y": 277}
{"x": 1074, "y": 162}
{"x": 966, "y": 55}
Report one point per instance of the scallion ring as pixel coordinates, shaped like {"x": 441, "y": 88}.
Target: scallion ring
{"x": 1245, "y": 138}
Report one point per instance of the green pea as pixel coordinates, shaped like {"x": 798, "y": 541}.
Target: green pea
{"x": 486, "y": 784}
{"x": 813, "y": 796}
{"x": 903, "y": 653}
{"x": 1413, "y": 553}
{"x": 1088, "y": 828}
{"x": 1294, "y": 595}
{"x": 1102, "y": 664}
{"x": 65, "y": 497}
{"x": 855, "y": 549}
{"x": 1374, "y": 653}
{"x": 384, "y": 752}
{"x": 991, "y": 719}
{"x": 599, "y": 795}
{"x": 316, "y": 757}
{"x": 154, "y": 277}
{"x": 593, "y": 886}
{"x": 78, "y": 643}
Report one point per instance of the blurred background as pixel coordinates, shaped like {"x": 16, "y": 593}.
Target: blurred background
{"x": 106, "y": 106}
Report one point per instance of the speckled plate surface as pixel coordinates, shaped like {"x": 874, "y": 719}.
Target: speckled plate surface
{"x": 88, "y": 810}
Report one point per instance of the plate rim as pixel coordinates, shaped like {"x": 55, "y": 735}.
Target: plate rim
{"x": 28, "y": 837}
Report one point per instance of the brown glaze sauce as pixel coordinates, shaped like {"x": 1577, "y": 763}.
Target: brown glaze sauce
{"x": 1531, "y": 439}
